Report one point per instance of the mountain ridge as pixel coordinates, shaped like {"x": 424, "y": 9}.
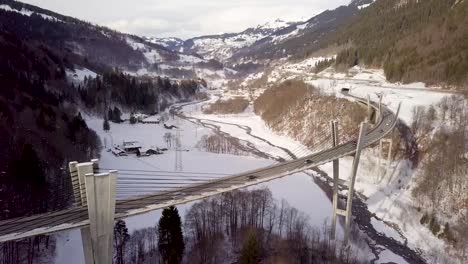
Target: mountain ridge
{"x": 271, "y": 40}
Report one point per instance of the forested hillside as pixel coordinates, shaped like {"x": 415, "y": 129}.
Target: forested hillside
{"x": 440, "y": 190}
{"x": 95, "y": 47}
{"x": 39, "y": 132}
{"x": 300, "y": 40}
{"x": 70, "y": 36}
{"x": 134, "y": 93}
{"x": 412, "y": 40}
{"x": 292, "y": 108}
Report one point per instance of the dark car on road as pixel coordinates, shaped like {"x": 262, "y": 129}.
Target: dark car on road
{"x": 252, "y": 177}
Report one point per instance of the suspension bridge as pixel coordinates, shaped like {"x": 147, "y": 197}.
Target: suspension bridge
{"x": 97, "y": 205}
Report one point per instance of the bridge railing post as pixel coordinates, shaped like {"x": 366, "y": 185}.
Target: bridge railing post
{"x": 336, "y": 171}
{"x": 352, "y": 179}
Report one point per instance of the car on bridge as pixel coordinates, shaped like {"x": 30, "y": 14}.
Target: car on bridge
{"x": 308, "y": 161}
{"x": 252, "y": 177}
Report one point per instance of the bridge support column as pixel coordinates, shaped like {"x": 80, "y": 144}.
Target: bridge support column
{"x": 97, "y": 193}
{"x": 389, "y": 156}
{"x": 78, "y": 172}
{"x": 369, "y": 108}
{"x": 100, "y": 190}
{"x": 336, "y": 171}
{"x": 379, "y": 112}
{"x": 352, "y": 179}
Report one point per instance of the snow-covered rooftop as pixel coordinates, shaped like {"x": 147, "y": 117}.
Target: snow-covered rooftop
{"x": 131, "y": 144}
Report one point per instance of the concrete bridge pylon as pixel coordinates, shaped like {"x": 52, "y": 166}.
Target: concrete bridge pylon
{"x": 97, "y": 193}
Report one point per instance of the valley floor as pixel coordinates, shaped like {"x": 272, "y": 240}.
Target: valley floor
{"x": 386, "y": 197}
{"x": 299, "y": 190}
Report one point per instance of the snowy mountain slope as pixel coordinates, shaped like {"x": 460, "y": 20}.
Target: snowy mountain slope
{"x": 169, "y": 43}
{"x": 95, "y": 47}
{"x": 222, "y": 47}
{"x": 263, "y": 43}
{"x": 27, "y": 12}
{"x": 300, "y": 39}
{"x": 272, "y": 40}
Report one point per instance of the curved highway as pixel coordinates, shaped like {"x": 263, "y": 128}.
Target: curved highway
{"x": 72, "y": 218}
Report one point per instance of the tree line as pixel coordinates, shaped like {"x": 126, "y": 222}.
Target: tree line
{"x": 220, "y": 145}
{"x": 133, "y": 93}
{"x": 412, "y": 40}
{"x": 237, "y": 227}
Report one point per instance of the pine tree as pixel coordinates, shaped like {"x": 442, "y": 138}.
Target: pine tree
{"x": 170, "y": 238}
{"x": 121, "y": 237}
{"x": 110, "y": 115}
{"x": 106, "y": 125}
{"x": 132, "y": 119}
{"x": 250, "y": 253}
{"x": 117, "y": 115}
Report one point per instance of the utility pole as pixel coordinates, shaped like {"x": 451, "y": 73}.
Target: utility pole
{"x": 336, "y": 177}
{"x": 178, "y": 151}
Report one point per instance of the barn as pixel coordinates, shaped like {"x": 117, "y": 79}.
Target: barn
{"x": 131, "y": 146}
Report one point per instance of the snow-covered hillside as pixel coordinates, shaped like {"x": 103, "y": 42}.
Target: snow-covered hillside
{"x": 222, "y": 47}
{"x": 102, "y": 46}
{"x": 269, "y": 41}
{"x": 170, "y": 43}
{"x": 389, "y": 193}
{"x": 27, "y": 12}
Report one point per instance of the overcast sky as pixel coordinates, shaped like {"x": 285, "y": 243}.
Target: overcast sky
{"x": 186, "y": 18}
